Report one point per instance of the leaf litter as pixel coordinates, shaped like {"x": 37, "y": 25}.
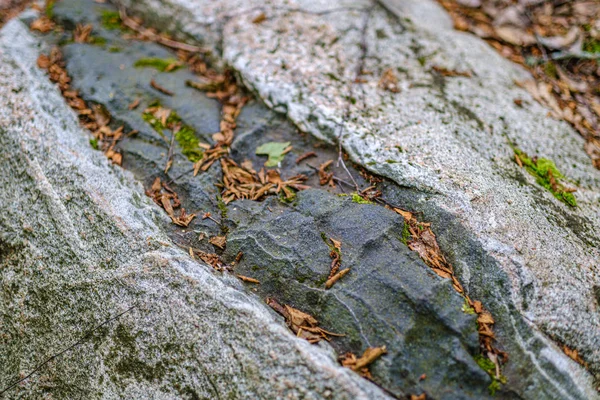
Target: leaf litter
{"x": 558, "y": 41}
{"x": 242, "y": 181}
{"x": 302, "y": 324}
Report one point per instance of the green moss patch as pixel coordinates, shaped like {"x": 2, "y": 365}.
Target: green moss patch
{"x": 488, "y": 366}
{"x": 356, "y": 198}
{"x": 111, "y": 20}
{"x": 185, "y": 136}
{"x": 160, "y": 64}
{"x": 49, "y": 11}
{"x": 547, "y": 175}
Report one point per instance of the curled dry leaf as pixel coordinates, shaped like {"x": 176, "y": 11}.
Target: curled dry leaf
{"x": 166, "y": 198}
{"x": 448, "y": 72}
{"x": 574, "y": 355}
{"x": 248, "y": 279}
{"x": 302, "y": 324}
{"x": 42, "y": 24}
{"x": 326, "y": 178}
{"x": 160, "y": 88}
{"x": 361, "y": 365}
{"x": 389, "y": 81}
{"x": 82, "y": 33}
{"x": 219, "y": 241}
{"x": 305, "y": 156}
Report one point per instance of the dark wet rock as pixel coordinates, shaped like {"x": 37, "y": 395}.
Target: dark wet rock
{"x": 390, "y": 296}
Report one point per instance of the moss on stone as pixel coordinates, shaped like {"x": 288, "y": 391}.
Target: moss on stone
{"x": 405, "y": 234}
{"x": 467, "y": 309}
{"x": 547, "y": 175}
{"x": 49, "y": 11}
{"x": 189, "y": 144}
{"x": 356, "y": 198}
{"x": 111, "y": 20}
{"x": 185, "y": 137}
{"x": 222, "y": 207}
{"x": 160, "y": 64}
{"x": 94, "y": 144}
{"x": 488, "y": 366}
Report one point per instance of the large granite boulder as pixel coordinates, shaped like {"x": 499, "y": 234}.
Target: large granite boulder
{"x": 451, "y": 140}
{"x": 95, "y": 299}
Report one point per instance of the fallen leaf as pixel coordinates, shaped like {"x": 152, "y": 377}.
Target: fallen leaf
{"x": 275, "y": 151}
{"x": 389, "y": 81}
{"x": 248, "y": 279}
{"x": 302, "y": 324}
{"x": 42, "y": 24}
{"x": 219, "y": 241}
{"x": 134, "y": 104}
{"x": 305, "y": 156}
{"x": 331, "y": 281}
{"x": 260, "y": 18}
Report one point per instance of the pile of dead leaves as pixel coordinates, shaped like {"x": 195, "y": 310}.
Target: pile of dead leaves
{"x": 559, "y": 41}
{"x": 243, "y": 182}
{"x": 335, "y": 274}
{"x": 361, "y": 364}
{"x": 302, "y": 324}
{"x": 166, "y": 198}
{"x": 423, "y": 241}
{"x": 94, "y": 118}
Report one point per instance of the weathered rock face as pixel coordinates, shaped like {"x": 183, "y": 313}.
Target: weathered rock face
{"x": 192, "y": 333}
{"x": 390, "y": 298}
{"x": 81, "y": 248}
{"x": 531, "y": 259}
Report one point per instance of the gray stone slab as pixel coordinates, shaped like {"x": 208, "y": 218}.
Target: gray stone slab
{"x": 539, "y": 274}
{"x": 80, "y": 244}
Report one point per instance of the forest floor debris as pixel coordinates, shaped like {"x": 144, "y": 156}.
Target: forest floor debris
{"x": 558, "y": 41}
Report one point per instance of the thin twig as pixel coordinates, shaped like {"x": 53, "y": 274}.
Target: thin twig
{"x": 77, "y": 343}
{"x": 335, "y": 178}
{"x": 170, "y": 153}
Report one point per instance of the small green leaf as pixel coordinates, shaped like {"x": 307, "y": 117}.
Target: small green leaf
{"x": 274, "y": 150}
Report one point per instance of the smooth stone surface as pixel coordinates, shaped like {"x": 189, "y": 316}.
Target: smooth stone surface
{"x": 80, "y": 244}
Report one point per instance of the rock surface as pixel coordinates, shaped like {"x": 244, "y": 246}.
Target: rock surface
{"x": 85, "y": 265}
{"x": 531, "y": 259}
{"x": 390, "y": 298}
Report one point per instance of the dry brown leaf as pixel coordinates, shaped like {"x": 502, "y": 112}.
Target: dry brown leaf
{"x": 389, "y": 81}
{"x": 302, "y": 324}
{"x": 219, "y": 241}
{"x": 82, "y": 33}
{"x": 42, "y": 24}
{"x": 305, "y": 156}
{"x": 447, "y": 72}
{"x": 134, "y": 104}
{"x": 260, "y": 18}
{"x": 248, "y": 279}
{"x": 331, "y": 281}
